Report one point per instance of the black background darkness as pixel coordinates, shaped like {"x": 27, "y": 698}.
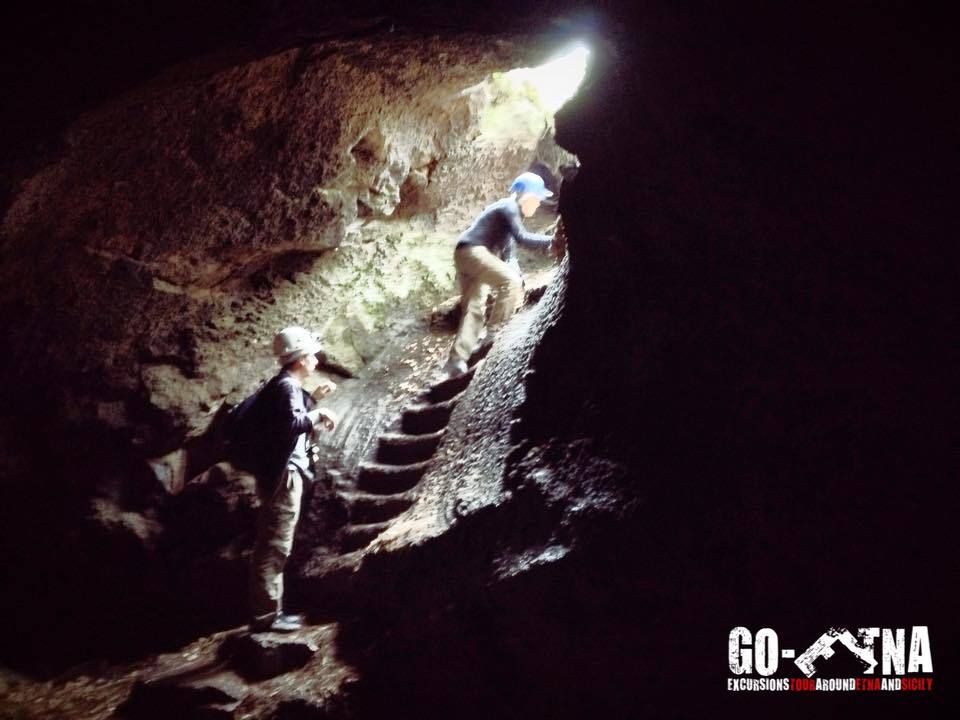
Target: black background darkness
{"x": 61, "y": 58}
{"x": 871, "y": 101}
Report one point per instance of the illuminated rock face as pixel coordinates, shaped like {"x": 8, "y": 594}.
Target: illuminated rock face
{"x": 187, "y": 221}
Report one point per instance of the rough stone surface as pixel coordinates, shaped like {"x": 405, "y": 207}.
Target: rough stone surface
{"x": 214, "y": 695}
{"x": 260, "y": 656}
{"x": 187, "y": 221}
{"x": 189, "y": 683}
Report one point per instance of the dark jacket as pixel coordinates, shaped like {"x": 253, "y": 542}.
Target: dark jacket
{"x": 276, "y": 419}
{"x": 499, "y": 228}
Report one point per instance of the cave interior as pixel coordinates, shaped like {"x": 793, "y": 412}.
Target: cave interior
{"x": 723, "y": 403}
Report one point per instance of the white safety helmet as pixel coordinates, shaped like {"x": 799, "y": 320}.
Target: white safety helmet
{"x": 293, "y": 343}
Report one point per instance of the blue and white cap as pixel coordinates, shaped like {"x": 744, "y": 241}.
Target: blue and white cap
{"x": 529, "y": 182}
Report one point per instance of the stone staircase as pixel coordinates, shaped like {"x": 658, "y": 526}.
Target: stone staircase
{"x": 386, "y": 485}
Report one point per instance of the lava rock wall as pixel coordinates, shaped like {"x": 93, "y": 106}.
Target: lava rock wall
{"x": 734, "y": 413}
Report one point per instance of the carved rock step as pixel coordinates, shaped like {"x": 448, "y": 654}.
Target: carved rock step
{"x": 214, "y": 693}
{"x": 335, "y": 570}
{"x": 259, "y": 656}
{"x": 402, "y": 449}
{"x": 353, "y": 537}
{"x": 371, "y": 508}
{"x": 451, "y": 387}
{"x": 389, "y": 479}
{"x": 427, "y": 418}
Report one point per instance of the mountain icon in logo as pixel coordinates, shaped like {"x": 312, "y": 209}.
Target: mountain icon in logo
{"x": 858, "y": 660}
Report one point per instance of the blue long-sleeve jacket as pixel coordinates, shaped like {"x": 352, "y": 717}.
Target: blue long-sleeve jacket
{"x": 499, "y": 228}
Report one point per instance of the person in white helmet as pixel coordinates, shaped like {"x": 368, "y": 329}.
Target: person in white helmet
{"x": 485, "y": 258}
{"x": 282, "y": 416}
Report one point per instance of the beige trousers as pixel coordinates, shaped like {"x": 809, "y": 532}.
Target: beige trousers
{"x": 478, "y": 270}
{"x": 275, "y": 529}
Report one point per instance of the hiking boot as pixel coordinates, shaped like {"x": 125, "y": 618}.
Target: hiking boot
{"x": 277, "y": 623}
{"x": 287, "y": 623}
{"x": 455, "y": 367}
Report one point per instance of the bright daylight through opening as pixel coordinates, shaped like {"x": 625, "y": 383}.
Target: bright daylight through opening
{"x": 557, "y": 80}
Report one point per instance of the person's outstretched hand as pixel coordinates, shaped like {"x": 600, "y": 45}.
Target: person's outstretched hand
{"x": 324, "y": 388}
{"x": 323, "y": 418}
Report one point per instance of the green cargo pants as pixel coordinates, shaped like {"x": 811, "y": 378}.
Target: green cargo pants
{"x": 478, "y": 270}
{"x": 276, "y": 526}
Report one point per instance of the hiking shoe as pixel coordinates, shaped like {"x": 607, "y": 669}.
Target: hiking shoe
{"x": 287, "y": 623}
{"x": 277, "y": 623}
{"x": 455, "y": 367}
